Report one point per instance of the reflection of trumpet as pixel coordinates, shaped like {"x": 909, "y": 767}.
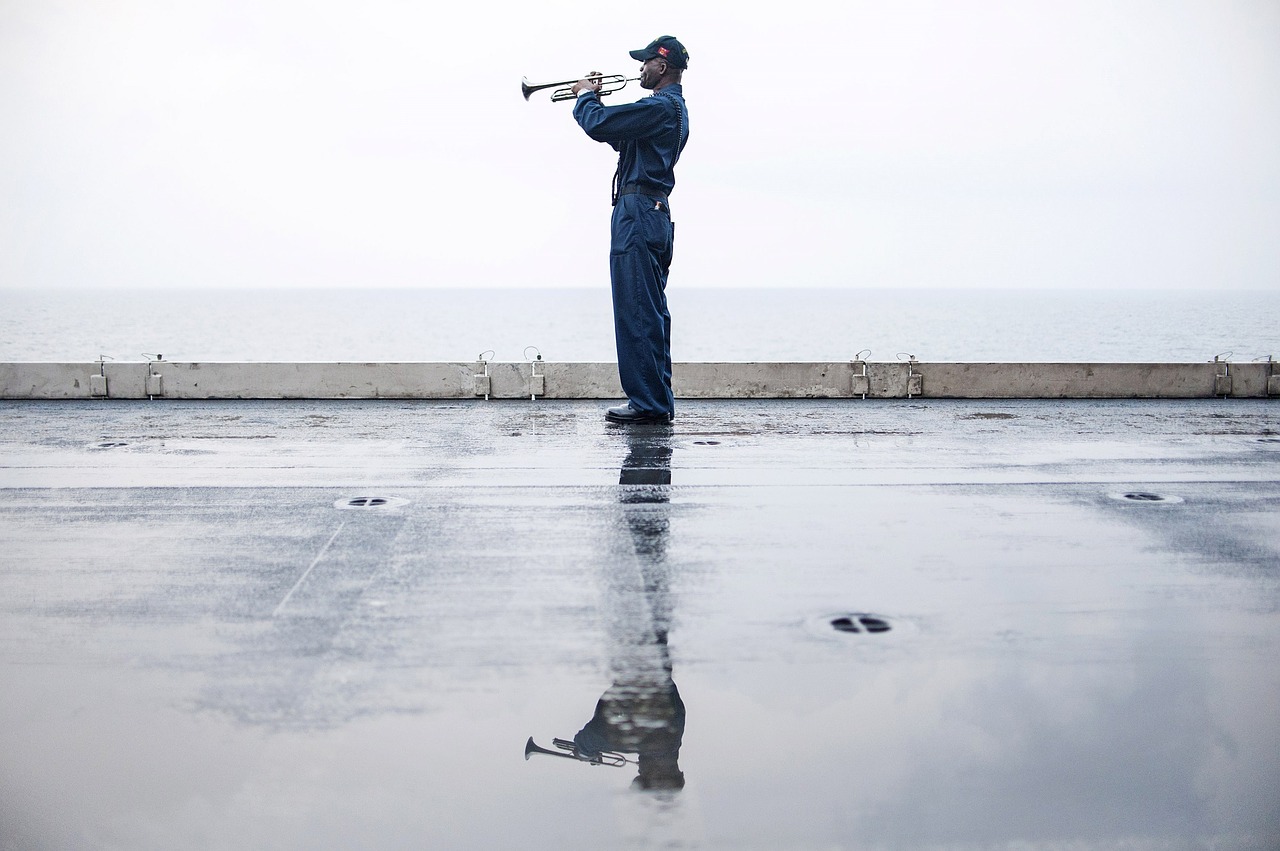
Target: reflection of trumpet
{"x": 617, "y": 760}
{"x": 609, "y": 83}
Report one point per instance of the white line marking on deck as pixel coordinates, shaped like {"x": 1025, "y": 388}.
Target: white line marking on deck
{"x": 307, "y": 572}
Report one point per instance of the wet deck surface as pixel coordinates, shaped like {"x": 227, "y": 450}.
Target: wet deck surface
{"x": 203, "y": 646}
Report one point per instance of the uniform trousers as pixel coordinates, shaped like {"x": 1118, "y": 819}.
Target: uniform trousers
{"x": 640, "y": 249}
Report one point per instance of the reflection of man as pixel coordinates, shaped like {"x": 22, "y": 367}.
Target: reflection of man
{"x": 648, "y": 136}
{"x": 643, "y": 718}
{"x": 642, "y": 712}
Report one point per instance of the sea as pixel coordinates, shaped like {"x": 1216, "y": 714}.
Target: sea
{"x": 720, "y": 324}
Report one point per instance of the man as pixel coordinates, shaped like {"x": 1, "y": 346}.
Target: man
{"x": 648, "y": 136}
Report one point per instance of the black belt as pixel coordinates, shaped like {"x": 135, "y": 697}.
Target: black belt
{"x": 636, "y": 189}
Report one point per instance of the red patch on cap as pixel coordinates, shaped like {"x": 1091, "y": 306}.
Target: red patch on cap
{"x": 662, "y": 51}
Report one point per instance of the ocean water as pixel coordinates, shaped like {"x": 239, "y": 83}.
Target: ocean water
{"x": 576, "y": 325}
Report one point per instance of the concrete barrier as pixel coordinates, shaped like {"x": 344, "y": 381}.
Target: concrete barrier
{"x": 856, "y": 379}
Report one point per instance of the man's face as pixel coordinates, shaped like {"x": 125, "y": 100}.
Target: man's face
{"x": 651, "y": 72}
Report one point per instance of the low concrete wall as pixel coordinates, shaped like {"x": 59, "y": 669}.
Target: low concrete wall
{"x": 172, "y": 380}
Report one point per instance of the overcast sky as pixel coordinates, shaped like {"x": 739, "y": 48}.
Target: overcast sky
{"x": 1026, "y": 144}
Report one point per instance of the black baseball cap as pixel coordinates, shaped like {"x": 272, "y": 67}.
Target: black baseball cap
{"x": 664, "y": 47}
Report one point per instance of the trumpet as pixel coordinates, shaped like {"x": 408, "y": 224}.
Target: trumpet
{"x": 609, "y": 83}
{"x": 617, "y": 760}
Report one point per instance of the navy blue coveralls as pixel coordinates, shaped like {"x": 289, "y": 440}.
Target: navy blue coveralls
{"x": 648, "y": 136}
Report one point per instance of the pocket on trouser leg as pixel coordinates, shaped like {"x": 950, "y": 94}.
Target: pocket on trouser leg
{"x": 624, "y": 235}
{"x": 656, "y": 228}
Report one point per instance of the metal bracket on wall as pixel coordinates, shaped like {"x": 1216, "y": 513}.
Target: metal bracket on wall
{"x": 861, "y": 385}
{"x": 155, "y": 380}
{"x": 98, "y": 383}
{"x": 537, "y": 380}
{"x": 1222, "y": 379}
{"x": 482, "y": 383}
{"x": 915, "y": 380}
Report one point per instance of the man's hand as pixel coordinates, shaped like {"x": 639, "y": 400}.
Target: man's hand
{"x": 590, "y": 80}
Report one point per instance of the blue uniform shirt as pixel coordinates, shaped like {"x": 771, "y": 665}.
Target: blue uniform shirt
{"x": 648, "y": 135}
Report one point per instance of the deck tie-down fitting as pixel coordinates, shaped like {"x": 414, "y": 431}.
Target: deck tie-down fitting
{"x": 482, "y": 382}
{"x": 537, "y": 380}
{"x": 861, "y": 385}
